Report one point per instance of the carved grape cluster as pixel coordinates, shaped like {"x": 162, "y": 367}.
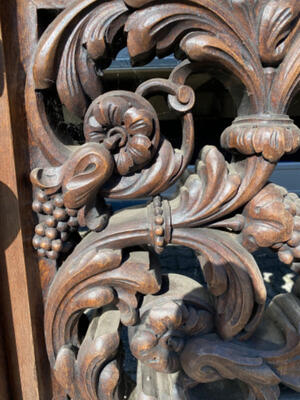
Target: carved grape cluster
{"x": 52, "y": 233}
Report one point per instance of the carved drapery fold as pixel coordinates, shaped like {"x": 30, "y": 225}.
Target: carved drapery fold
{"x": 108, "y": 276}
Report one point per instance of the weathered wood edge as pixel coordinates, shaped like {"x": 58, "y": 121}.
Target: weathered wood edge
{"x": 24, "y": 342}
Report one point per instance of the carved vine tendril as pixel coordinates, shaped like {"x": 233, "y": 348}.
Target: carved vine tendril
{"x": 222, "y": 210}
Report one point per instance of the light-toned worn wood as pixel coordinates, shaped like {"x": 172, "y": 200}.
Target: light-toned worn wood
{"x": 13, "y": 252}
{"x": 4, "y": 387}
{"x": 51, "y": 3}
{"x": 19, "y": 272}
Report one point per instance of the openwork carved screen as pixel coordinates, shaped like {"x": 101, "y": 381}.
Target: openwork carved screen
{"x": 101, "y": 274}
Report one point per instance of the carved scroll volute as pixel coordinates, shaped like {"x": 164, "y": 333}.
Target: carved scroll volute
{"x": 194, "y": 334}
{"x": 94, "y": 281}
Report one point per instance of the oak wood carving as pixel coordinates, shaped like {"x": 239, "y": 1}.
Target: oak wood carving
{"x": 109, "y": 276}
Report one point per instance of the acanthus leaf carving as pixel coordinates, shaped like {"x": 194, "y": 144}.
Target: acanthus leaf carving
{"x": 205, "y": 191}
{"x": 213, "y": 360}
{"x": 278, "y": 26}
{"x": 260, "y": 368}
{"x": 233, "y": 277}
{"x": 87, "y": 372}
{"x": 213, "y": 22}
{"x": 77, "y": 76}
{"x": 287, "y": 82}
{"x": 201, "y": 47}
{"x": 88, "y": 283}
{"x": 195, "y": 334}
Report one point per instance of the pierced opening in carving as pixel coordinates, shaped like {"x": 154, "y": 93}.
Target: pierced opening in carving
{"x": 143, "y": 126}
{"x": 67, "y": 127}
{"x": 181, "y": 260}
{"x": 44, "y": 18}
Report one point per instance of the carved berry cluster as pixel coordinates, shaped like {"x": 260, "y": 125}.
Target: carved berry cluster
{"x": 57, "y": 222}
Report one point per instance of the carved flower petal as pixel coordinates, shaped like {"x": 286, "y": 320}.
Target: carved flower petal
{"x": 138, "y": 122}
{"x": 94, "y": 132}
{"x": 110, "y": 111}
{"x": 124, "y": 161}
{"x": 139, "y": 148}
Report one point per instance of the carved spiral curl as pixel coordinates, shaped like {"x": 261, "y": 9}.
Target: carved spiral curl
{"x": 126, "y": 157}
{"x": 127, "y": 125}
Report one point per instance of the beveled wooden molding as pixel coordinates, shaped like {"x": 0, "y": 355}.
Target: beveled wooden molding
{"x": 223, "y": 211}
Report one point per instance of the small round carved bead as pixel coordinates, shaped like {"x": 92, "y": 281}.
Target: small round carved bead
{"x": 286, "y": 256}
{"x": 59, "y": 214}
{"x": 58, "y": 201}
{"x": 159, "y": 231}
{"x": 45, "y": 243}
{"x": 48, "y": 207}
{"x": 41, "y": 196}
{"x": 62, "y": 226}
{"x": 37, "y": 206}
{"x": 158, "y": 228}
{"x": 157, "y": 201}
{"x": 159, "y": 241}
{"x": 51, "y": 221}
{"x": 36, "y": 241}
{"x": 57, "y": 245}
{"x": 159, "y": 220}
{"x": 72, "y": 222}
{"x": 56, "y": 226}
{"x": 40, "y": 230}
{"x": 158, "y": 211}
{"x": 51, "y": 233}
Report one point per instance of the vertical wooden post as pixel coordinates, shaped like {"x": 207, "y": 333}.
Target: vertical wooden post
{"x": 28, "y": 370}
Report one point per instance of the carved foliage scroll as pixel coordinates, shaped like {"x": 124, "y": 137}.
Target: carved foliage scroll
{"x": 101, "y": 275}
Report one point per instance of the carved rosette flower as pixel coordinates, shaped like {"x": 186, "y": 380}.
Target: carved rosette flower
{"x": 269, "y": 135}
{"x": 126, "y": 124}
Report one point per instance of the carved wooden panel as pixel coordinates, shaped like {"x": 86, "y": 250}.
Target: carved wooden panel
{"x": 100, "y": 271}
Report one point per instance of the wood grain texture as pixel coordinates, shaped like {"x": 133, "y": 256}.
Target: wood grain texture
{"x": 12, "y": 251}
{"x": 28, "y": 367}
{"x": 110, "y": 279}
{"x": 48, "y": 4}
